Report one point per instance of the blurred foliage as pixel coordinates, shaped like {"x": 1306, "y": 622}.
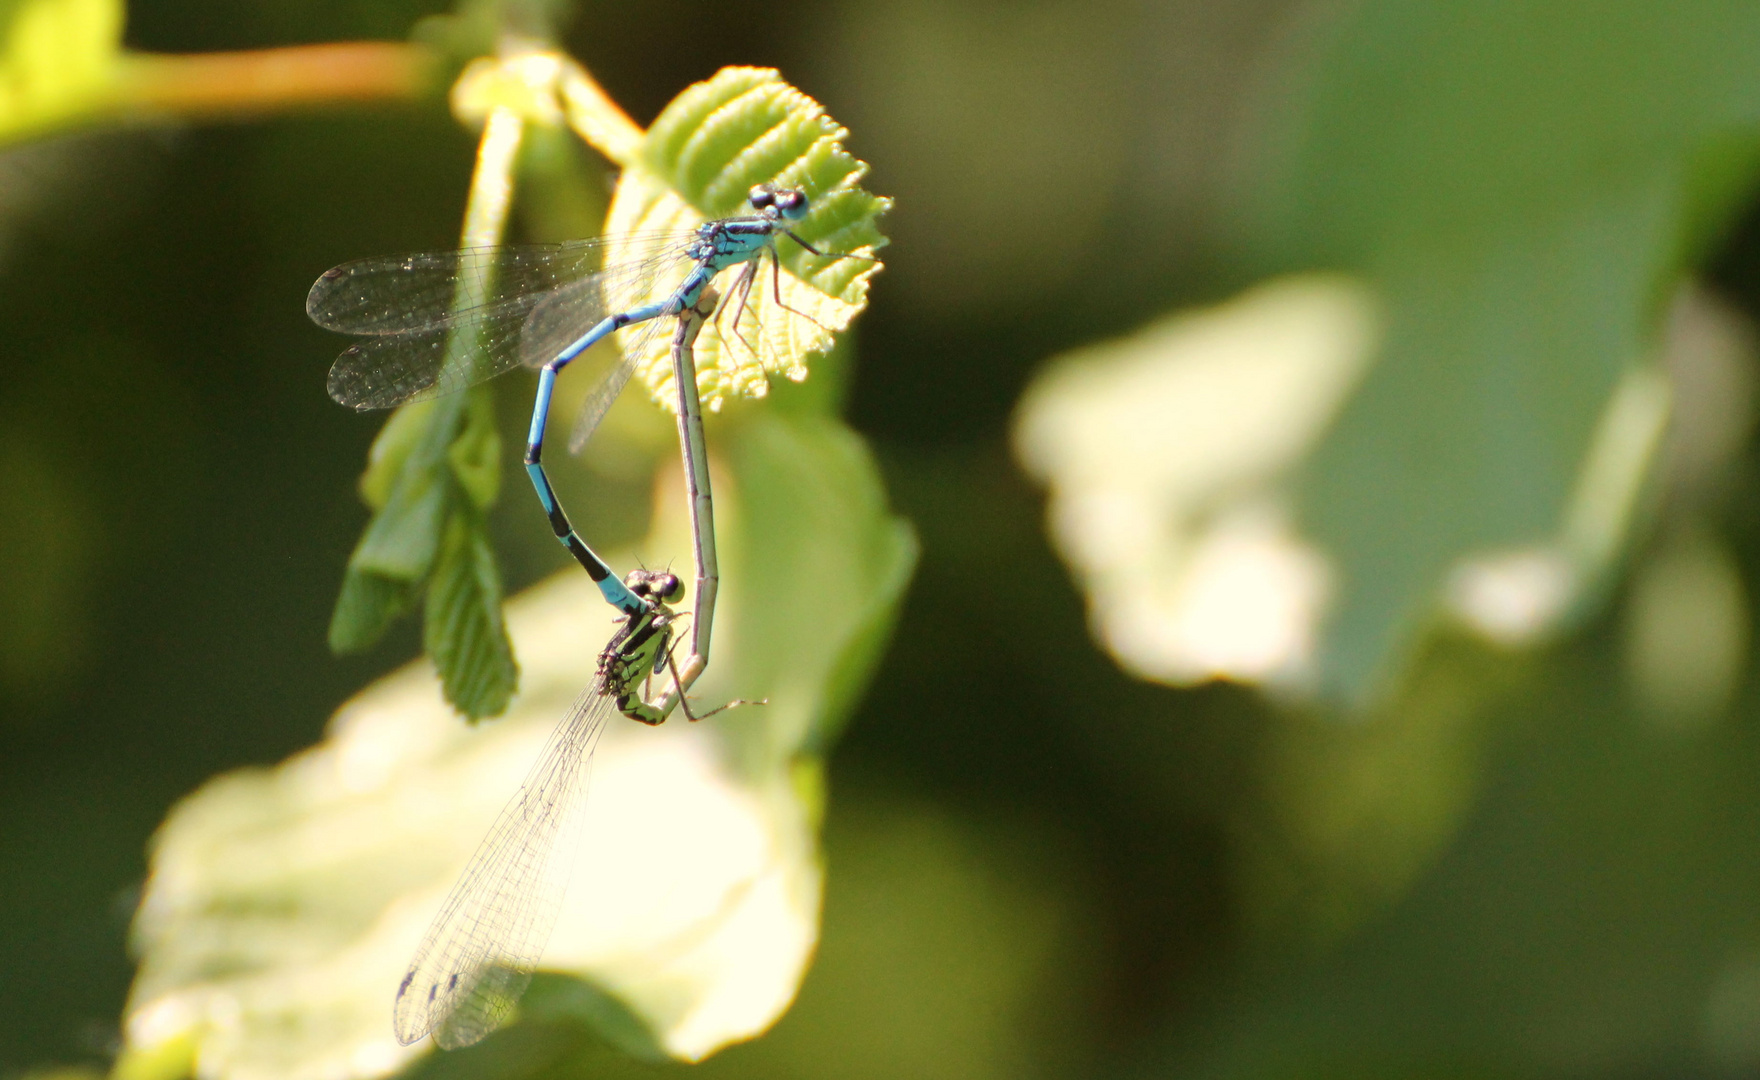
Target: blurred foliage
{"x": 56, "y": 61}
{"x": 1524, "y": 230}
{"x": 62, "y": 66}
{"x": 1526, "y": 856}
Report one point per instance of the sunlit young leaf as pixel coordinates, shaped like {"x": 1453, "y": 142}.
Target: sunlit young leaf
{"x": 703, "y": 155}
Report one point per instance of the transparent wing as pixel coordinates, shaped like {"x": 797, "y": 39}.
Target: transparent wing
{"x": 396, "y": 369}
{"x": 563, "y": 314}
{"x": 480, "y": 952}
{"x": 400, "y": 294}
{"x": 436, "y": 323}
{"x": 603, "y": 396}
{"x": 599, "y": 402}
{"x": 566, "y": 313}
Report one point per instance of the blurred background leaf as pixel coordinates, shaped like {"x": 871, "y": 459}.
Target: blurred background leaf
{"x": 1524, "y": 225}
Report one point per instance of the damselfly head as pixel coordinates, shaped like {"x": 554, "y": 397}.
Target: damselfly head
{"x": 655, "y": 585}
{"x": 789, "y": 203}
{"x": 667, "y": 587}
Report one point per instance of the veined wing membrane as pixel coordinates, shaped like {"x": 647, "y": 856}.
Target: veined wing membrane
{"x": 479, "y": 955}
{"x": 598, "y": 402}
{"x": 395, "y": 369}
{"x": 439, "y": 322}
{"x": 565, "y": 313}
{"x": 399, "y": 294}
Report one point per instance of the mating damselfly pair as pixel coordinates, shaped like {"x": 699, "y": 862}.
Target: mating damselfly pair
{"x": 433, "y": 324}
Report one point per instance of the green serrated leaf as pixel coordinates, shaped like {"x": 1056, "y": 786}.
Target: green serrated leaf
{"x": 391, "y": 449}
{"x": 403, "y": 536}
{"x": 433, "y": 471}
{"x": 415, "y": 491}
{"x": 462, "y": 628}
{"x": 681, "y": 124}
{"x": 412, "y": 482}
{"x": 704, "y": 154}
{"x": 475, "y": 456}
{"x": 365, "y": 608}
{"x": 746, "y": 126}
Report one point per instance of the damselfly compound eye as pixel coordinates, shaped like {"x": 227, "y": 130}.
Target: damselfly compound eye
{"x": 793, "y": 204}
